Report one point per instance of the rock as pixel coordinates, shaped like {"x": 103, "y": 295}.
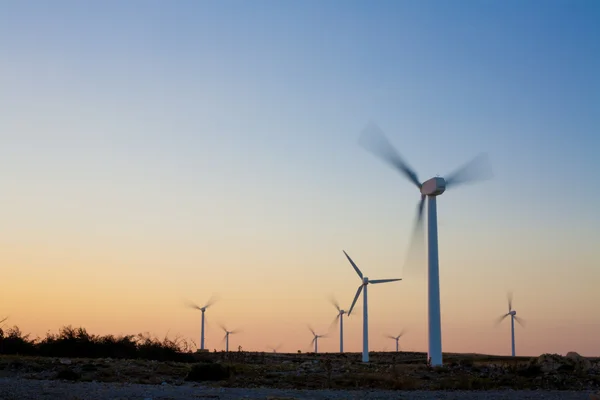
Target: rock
{"x": 65, "y": 361}
{"x": 580, "y": 363}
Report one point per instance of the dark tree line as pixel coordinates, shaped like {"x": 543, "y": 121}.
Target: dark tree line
{"x": 78, "y": 343}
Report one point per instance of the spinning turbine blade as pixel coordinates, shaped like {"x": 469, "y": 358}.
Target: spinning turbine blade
{"x": 520, "y": 321}
{"x": 312, "y": 330}
{"x": 416, "y": 253}
{"x": 191, "y": 304}
{"x": 334, "y": 323}
{"x": 333, "y": 301}
{"x": 353, "y": 265}
{"x": 374, "y": 141}
{"x": 355, "y": 298}
{"x": 478, "y": 169}
{"x": 210, "y": 301}
{"x": 375, "y": 281}
{"x": 498, "y": 320}
{"x": 509, "y": 296}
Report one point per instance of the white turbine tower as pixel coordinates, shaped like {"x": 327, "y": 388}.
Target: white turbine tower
{"x": 397, "y": 339}
{"x": 315, "y": 339}
{"x": 210, "y": 302}
{"x": 339, "y": 317}
{"x": 513, "y": 318}
{"x": 363, "y": 287}
{"x": 226, "y": 337}
{"x": 375, "y": 141}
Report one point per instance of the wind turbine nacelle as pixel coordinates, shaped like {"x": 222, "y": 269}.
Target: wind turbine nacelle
{"x": 513, "y": 312}
{"x": 433, "y": 187}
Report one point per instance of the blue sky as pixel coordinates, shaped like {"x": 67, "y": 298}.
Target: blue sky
{"x": 193, "y": 126}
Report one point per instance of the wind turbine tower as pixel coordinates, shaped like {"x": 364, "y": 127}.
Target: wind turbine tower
{"x": 375, "y": 141}
{"x": 226, "y": 337}
{"x": 339, "y": 317}
{"x": 363, "y": 288}
{"x": 513, "y": 317}
{"x": 315, "y": 340}
{"x": 397, "y": 339}
{"x": 210, "y": 302}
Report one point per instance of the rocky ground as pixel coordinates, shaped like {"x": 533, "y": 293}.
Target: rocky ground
{"x": 241, "y": 375}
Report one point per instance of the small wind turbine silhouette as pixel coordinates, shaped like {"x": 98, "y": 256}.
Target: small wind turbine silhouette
{"x": 315, "y": 339}
{"x": 513, "y": 318}
{"x": 210, "y": 302}
{"x": 396, "y": 338}
{"x": 375, "y": 141}
{"x": 340, "y": 318}
{"x": 364, "y": 284}
{"x": 226, "y": 337}
{"x": 274, "y": 349}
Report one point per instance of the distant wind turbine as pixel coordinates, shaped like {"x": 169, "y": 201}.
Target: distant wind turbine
{"x": 274, "y": 349}
{"x": 513, "y": 318}
{"x": 397, "y": 339}
{"x": 339, "y": 317}
{"x": 364, "y": 284}
{"x": 226, "y": 337}
{"x": 316, "y": 339}
{"x": 210, "y": 302}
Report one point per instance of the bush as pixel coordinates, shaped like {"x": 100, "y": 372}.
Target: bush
{"x": 208, "y": 372}
{"x": 77, "y": 342}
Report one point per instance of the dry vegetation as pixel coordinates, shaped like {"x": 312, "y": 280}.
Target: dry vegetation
{"x": 75, "y": 355}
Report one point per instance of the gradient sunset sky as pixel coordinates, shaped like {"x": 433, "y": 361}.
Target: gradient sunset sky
{"x": 153, "y": 151}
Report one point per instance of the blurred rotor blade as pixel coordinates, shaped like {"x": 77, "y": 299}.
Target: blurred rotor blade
{"x": 390, "y": 337}
{"x": 235, "y": 331}
{"x": 223, "y": 327}
{"x": 521, "y": 321}
{"x": 373, "y": 140}
{"x": 335, "y": 303}
{"x": 376, "y": 281}
{"x": 402, "y": 333}
{"x": 498, "y": 320}
{"x": 415, "y": 257}
{"x": 311, "y": 330}
{"x": 478, "y": 169}
{"x": 3, "y": 319}
{"x": 211, "y": 301}
{"x": 509, "y": 297}
{"x": 191, "y": 304}
{"x": 355, "y": 298}
{"x": 353, "y": 265}
{"x": 334, "y": 323}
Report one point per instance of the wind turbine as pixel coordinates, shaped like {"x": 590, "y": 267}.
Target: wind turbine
{"x": 363, "y": 285}
{"x": 315, "y": 339}
{"x": 339, "y": 317}
{"x": 226, "y": 337}
{"x": 274, "y": 349}
{"x": 396, "y": 338}
{"x": 513, "y": 318}
{"x": 430, "y": 189}
{"x": 210, "y": 302}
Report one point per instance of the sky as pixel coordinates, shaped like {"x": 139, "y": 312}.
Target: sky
{"x": 152, "y": 152}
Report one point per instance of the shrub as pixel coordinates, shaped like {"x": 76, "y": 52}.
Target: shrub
{"x": 208, "y": 372}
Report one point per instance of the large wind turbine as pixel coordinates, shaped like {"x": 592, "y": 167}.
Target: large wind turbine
{"x": 226, "y": 337}
{"x": 339, "y": 317}
{"x": 203, "y": 309}
{"x": 397, "y": 339}
{"x": 315, "y": 338}
{"x": 377, "y": 144}
{"x": 363, "y": 286}
{"x": 513, "y": 318}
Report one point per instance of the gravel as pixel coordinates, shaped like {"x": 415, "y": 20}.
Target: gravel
{"x": 27, "y": 389}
